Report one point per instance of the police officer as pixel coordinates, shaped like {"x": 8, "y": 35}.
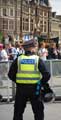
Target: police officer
{"x": 29, "y": 73}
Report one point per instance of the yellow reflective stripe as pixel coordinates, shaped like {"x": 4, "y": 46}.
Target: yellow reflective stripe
{"x": 27, "y": 67}
{"x": 27, "y": 81}
{"x": 25, "y": 75}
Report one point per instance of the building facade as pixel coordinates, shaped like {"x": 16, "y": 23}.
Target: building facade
{"x": 19, "y": 17}
{"x": 55, "y": 26}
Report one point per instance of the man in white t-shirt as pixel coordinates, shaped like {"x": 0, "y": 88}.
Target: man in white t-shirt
{"x": 43, "y": 52}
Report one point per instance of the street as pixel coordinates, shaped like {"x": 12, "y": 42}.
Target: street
{"x": 52, "y": 111}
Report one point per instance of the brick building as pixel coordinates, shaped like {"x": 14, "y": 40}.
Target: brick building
{"x": 19, "y": 17}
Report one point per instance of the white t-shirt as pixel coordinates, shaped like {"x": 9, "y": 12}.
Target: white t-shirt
{"x": 43, "y": 53}
{"x": 4, "y": 56}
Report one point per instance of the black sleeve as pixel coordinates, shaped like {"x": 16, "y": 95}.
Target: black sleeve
{"x": 13, "y": 70}
{"x": 45, "y": 73}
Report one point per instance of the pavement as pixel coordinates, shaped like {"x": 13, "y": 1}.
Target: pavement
{"x": 52, "y": 111}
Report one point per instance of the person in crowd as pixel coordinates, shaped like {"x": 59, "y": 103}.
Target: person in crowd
{"x": 29, "y": 73}
{"x": 52, "y": 51}
{"x": 3, "y": 53}
{"x": 11, "y": 51}
{"x": 59, "y": 51}
{"x": 43, "y": 52}
{"x": 17, "y": 46}
{"x": 21, "y": 49}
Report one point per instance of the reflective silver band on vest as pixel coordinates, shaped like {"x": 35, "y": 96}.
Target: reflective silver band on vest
{"x": 22, "y": 78}
{"x": 34, "y": 72}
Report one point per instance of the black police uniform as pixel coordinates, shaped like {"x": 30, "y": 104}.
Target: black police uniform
{"x": 28, "y": 92}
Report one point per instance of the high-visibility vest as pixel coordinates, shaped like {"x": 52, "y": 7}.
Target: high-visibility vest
{"x": 28, "y": 72}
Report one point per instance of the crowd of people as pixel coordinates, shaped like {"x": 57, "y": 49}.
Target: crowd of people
{"x": 50, "y": 51}
{"x": 10, "y": 51}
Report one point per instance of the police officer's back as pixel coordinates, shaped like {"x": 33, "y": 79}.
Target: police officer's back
{"x": 29, "y": 73}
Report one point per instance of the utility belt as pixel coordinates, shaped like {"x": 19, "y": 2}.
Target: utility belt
{"x": 30, "y": 89}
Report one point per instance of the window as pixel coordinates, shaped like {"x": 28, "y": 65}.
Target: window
{"x": 4, "y": 12}
{"x": 4, "y": 1}
{"x": 11, "y": 25}
{"x": 11, "y": 12}
{"x": 8, "y": 1}
{"x": 45, "y": 14}
{"x": 18, "y": 25}
{"x": 45, "y": 26}
{"x": 5, "y": 23}
{"x": 11, "y": 1}
{"x": 1, "y": 23}
{"x": 18, "y": 12}
{"x": 31, "y": 25}
{"x": 41, "y": 25}
{"x": 41, "y": 22}
{"x": 19, "y": 3}
{"x": 32, "y": 11}
{"x": 40, "y": 12}
{"x": 0, "y": 11}
{"x": 25, "y": 24}
{"x": 25, "y": 9}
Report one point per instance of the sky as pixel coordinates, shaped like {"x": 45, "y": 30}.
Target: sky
{"x": 56, "y": 6}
